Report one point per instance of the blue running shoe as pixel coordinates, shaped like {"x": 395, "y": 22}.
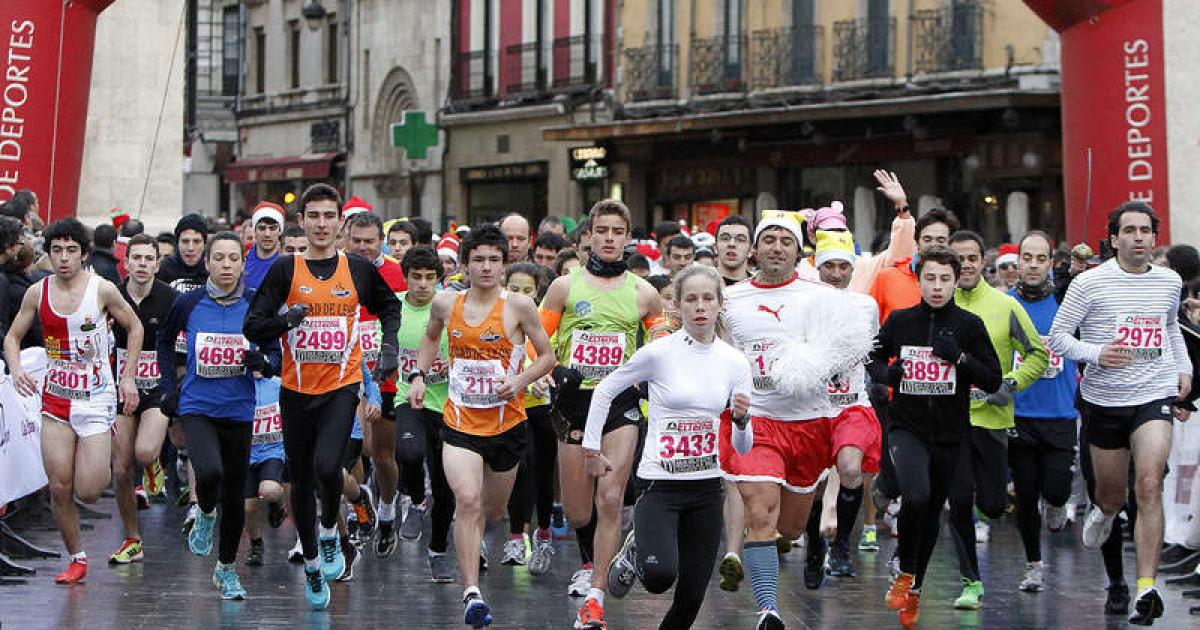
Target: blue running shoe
{"x": 476, "y": 613}
{"x": 333, "y": 562}
{"x": 316, "y": 591}
{"x": 225, "y": 578}
{"x": 200, "y": 538}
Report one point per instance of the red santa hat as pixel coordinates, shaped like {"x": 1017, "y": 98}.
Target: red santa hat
{"x": 649, "y": 249}
{"x": 1009, "y": 253}
{"x": 118, "y": 217}
{"x": 355, "y": 205}
{"x": 448, "y": 246}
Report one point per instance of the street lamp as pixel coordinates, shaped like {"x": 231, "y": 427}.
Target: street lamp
{"x": 314, "y": 14}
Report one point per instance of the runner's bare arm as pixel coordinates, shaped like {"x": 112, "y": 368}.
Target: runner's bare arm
{"x": 650, "y": 305}
{"x": 115, "y": 305}
{"x": 16, "y": 332}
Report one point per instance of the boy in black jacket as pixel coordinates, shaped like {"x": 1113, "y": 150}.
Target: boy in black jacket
{"x": 941, "y": 351}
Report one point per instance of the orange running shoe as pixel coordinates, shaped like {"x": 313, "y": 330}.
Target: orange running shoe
{"x": 75, "y": 573}
{"x": 909, "y": 613}
{"x": 897, "y": 595}
{"x": 591, "y": 616}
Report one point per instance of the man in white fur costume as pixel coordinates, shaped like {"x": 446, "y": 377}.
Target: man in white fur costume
{"x": 797, "y": 334}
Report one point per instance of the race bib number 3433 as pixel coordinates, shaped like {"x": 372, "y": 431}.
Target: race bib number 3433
{"x": 925, "y": 374}
{"x": 687, "y": 445}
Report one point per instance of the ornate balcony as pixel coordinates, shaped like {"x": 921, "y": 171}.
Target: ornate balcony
{"x": 716, "y": 63}
{"x": 524, "y": 70}
{"x": 786, "y": 57}
{"x": 864, "y": 49}
{"x": 650, "y": 72}
{"x": 947, "y": 39}
{"x": 474, "y": 80}
{"x": 573, "y": 65}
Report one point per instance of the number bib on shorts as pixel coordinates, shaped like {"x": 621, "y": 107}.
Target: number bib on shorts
{"x": 1054, "y": 366}
{"x": 147, "y": 375}
{"x": 320, "y": 340}
{"x": 473, "y": 383}
{"x": 841, "y": 391}
{"x": 687, "y": 445}
{"x": 220, "y": 355}
{"x": 760, "y": 363}
{"x": 596, "y": 354}
{"x": 437, "y": 374}
{"x": 1142, "y": 335}
{"x": 368, "y": 337}
{"x": 268, "y": 424}
{"x": 925, "y": 374}
{"x": 70, "y": 381}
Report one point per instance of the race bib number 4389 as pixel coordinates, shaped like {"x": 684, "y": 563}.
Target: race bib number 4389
{"x": 596, "y": 354}
{"x": 925, "y": 374}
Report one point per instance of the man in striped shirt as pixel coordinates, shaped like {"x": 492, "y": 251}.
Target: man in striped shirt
{"x": 1137, "y": 367}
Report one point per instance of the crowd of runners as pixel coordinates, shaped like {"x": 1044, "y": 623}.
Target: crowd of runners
{"x": 689, "y": 401}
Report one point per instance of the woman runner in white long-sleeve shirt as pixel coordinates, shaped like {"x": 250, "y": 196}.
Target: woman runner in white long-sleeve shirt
{"x": 693, "y": 378}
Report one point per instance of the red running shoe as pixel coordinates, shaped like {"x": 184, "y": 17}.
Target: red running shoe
{"x": 75, "y": 573}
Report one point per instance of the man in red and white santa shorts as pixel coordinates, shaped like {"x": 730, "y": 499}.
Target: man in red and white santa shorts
{"x": 798, "y": 334}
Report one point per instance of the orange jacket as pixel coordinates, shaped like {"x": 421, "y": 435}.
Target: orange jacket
{"x": 895, "y": 288}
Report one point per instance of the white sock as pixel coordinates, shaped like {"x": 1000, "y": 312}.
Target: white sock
{"x": 596, "y": 594}
{"x": 471, "y": 590}
{"x": 312, "y": 565}
{"x": 326, "y": 532}
{"x": 386, "y": 511}
{"x": 80, "y": 557}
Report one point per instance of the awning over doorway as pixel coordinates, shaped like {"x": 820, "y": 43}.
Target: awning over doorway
{"x": 307, "y": 166}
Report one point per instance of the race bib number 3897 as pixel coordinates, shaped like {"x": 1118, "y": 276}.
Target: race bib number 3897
{"x": 925, "y": 374}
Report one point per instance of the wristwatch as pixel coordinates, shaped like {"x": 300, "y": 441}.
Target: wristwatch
{"x": 408, "y": 378}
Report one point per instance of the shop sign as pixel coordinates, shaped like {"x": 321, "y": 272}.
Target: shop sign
{"x": 501, "y": 172}
{"x": 589, "y": 163}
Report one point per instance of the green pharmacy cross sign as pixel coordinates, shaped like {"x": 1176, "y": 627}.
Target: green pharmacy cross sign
{"x": 414, "y": 135}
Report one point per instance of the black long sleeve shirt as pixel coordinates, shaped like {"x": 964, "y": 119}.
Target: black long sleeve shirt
{"x": 945, "y": 418}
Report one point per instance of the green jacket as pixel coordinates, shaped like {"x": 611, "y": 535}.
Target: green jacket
{"x": 1011, "y": 331}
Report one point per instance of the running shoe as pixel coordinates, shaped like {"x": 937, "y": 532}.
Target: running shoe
{"x": 441, "y": 568}
{"x": 897, "y": 595}
{"x": 514, "y": 551}
{"x": 385, "y": 541}
{"x": 1096, "y": 527}
{"x": 76, "y": 572}
{"x": 983, "y": 531}
{"x": 542, "y": 554}
{"x": 352, "y": 556}
{"x": 333, "y": 561}
{"x": 225, "y": 578}
{"x": 200, "y": 539}
{"x": 769, "y": 620}
{"x": 971, "y": 597}
{"x": 869, "y": 540}
{"x": 275, "y": 514}
{"x": 840, "y": 564}
{"x": 581, "y": 582}
{"x": 143, "y": 499}
{"x": 590, "y": 616}
{"x": 185, "y": 495}
{"x": 1147, "y": 608}
{"x": 1117, "y": 600}
{"x": 414, "y": 521}
{"x": 296, "y": 553}
{"x": 189, "y": 519}
{"x": 483, "y": 555}
{"x": 316, "y": 590}
{"x": 130, "y": 551}
{"x": 255, "y": 558}
{"x": 1033, "y": 582}
{"x": 732, "y": 572}
{"x": 814, "y": 564}
{"x": 154, "y": 479}
{"x": 364, "y": 512}
{"x": 622, "y": 571}
{"x": 910, "y": 612}
{"x": 476, "y": 612}
{"x": 1055, "y": 517}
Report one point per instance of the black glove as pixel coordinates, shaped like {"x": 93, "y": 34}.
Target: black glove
{"x": 388, "y": 363}
{"x": 1004, "y": 395}
{"x": 255, "y": 361}
{"x": 895, "y": 373}
{"x": 295, "y": 315}
{"x": 169, "y": 404}
{"x": 946, "y": 348}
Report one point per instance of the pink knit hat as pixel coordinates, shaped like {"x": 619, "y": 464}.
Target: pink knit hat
{"x": 828, "y": 218}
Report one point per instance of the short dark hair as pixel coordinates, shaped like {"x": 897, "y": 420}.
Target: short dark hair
{"x": 610, "y": 207}
{"x": 408, "y": 228}
{"x": 665, "y": 229}
{"x": 15, "y": 208}
{"x": 485, "y": 234}
{"x": 550, "y": 221}
{"x": 26, "y": 197}
{"x": 550, "y": 240}
{"x": 166, "y": 237}
{"x": 292, "y": 231}
{"x": 1035, "y": 233}
{"x": 10, "y": 232}
{"x": 561, "y": 259}
{"x": 704, "y": 252}
{"x": 659, "y": 282}
{"x": 584, "y": 227}
{"x": 1114, "y": 217}
{"x": 104, "y": 236}
{"x": 1185, "y": 260}
{"x": 143, "y": 239}
{"x": 424, "y": 231}
{"x": 942, "y": 256}
{"x": 540, "y": 280}
{"x": 132, "y": 228}
{"x": 679, "y": 242}
{"x": 223, "y": 235}
{"x": 637, "y": 261}
{"x": 69, "y": 229}
{"x": 320, "y": 192}
{"x": 736, "y": 219}
{"x": 366, "y": 220}
{"x": 421, "y": 257}
{"x": 938, "y": 215}
{"x": 962, "y": 236}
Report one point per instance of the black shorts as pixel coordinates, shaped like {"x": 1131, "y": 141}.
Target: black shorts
{"x": 499, "y": 452}
{"x": 147, "y": 399}
{"x": 266, "y": 470}
{"x": 1111, "y": 427}
{"x": 570, "y": 413}
{"x": 1050, "y": 434}
{"x": 354, "y": 448}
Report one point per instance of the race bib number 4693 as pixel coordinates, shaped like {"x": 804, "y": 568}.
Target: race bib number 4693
{"x": 220, "y": 355}
{"x": 687, "y": 445}
{"x": 925, "y": 374}
{"x": 1141, "y": 334}
{"x": 596, "y": 354}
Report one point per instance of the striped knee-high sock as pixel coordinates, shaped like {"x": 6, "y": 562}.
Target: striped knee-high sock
{"x": 762, "y": 563}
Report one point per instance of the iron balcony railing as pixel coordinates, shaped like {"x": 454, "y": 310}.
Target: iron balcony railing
{"x": 947, "y": 39}
{"x": 785, "y": 57}
{"x": 474, "y": 75}
{"x": 574, "y": 64}
{"x": 524, "y": 69}
{"x": 864, "y": 49}
{"x": 650, "y": 72}
{"x": 715, "y": 64}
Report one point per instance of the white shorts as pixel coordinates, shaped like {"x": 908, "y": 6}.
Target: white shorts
{"x": 88, "y": 420}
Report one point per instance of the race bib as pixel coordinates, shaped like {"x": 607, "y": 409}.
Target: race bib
{"x": 320, "y": 340}
{"x": 1142, "y": 334}
{"x": 1053, "y": 368}
{"x": 268, "y": 424}
{"x": 925, "y": 374}
{"x": 181, "y": 342}
{"x": 71, "y": 381}
{"x": 437, "y": 373}
{"x": 687, "y": 445}
{"x": 147, "y": 374}
{"x": 473, "y": 383}
{"x": 760, "y": 363}
{"x": 368, "y": 338}
{"x": 220, "y": 355}
{"x": 841, "y": 391}
{"x": 596, "y": 354}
